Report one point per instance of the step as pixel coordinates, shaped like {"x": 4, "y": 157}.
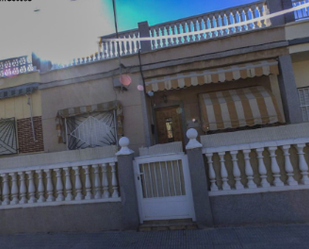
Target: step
{"x": 164, "y": 225}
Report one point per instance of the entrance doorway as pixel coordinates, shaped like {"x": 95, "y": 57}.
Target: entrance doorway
{"x": 169, "y": 125}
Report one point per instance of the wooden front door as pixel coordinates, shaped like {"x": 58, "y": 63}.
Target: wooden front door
{"x": 169, "y": 126}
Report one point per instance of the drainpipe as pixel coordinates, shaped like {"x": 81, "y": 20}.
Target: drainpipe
{"x": 31, "y": 118}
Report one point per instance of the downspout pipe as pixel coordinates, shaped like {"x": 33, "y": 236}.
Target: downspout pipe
{"x": 31, "y": 118}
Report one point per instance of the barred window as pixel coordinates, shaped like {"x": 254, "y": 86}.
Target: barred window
{"x": 304, "y": 102}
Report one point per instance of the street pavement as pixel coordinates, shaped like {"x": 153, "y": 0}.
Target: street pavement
{"x": 253, "y": 237}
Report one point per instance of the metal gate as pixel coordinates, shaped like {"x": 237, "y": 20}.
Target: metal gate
{"x": 163, "y": 187}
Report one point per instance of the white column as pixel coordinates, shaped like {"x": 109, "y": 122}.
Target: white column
{"x": 236, "y": 171}
{"x": 5, "y": 189}
{"x": 114, "y": 180}
{"x": 40, "y": 186}
{"x": 274, "y": 166}
{"x": 49, "y": 186}
{"x": 224, "y": 175}
{"x": 14, "y": 189}
{"x": 31, "y": 187}
{"x": 59, "y": 185}
{"x": 288, "y": 166}
{"x": 248, "y": 169}
{"x": 68, "y": 185}
{"x": 105, "y": 181}
{"x": 262, "y": 168}
{"x": 89, "y": 195}
{"x": 22, "y": 188}
{"x": 212, "y": 174}
{"x": 78, "y": 185}
{"x": 302, "y": 163}
{"x": 97, "y": 182}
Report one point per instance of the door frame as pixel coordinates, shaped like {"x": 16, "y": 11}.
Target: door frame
{"x": 182, "y": 118}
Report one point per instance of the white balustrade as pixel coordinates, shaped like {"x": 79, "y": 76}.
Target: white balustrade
{"x": 60, "y": 184}
{"x": 212, "y": 174}
{"x": 31, "y": 188}
{"x": 303, "y": 166}
{"x": 302, "y": 13}
{"x": 224, "y": 175}
{"x": 275, "y": 174}
{"x": 236, "y": 171}
{"x": 204, "y": 22}
{"x": 262, "y": 168}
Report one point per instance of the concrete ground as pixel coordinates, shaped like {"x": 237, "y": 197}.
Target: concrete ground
{"x": 255, "y": 237}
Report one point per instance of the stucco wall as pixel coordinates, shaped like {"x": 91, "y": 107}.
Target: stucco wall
{"x": 87, "y": 93}
{"x": 301, "y": 73}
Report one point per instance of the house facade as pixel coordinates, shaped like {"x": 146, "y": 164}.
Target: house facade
{"x": 242, "y": 88}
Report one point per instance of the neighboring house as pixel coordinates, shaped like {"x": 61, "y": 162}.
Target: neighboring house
{"x": 63, "y": 124}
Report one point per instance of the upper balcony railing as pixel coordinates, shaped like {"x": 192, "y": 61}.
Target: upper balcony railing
{"x": 205, "y": 22}
{"x": 14, "y": 66}
{"x": 303, "y": 13}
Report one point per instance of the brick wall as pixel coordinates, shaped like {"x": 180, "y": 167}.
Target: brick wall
{"x": 25, "y": 136}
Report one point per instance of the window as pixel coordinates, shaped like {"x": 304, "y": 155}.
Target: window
{"x": 8, "y": 143}
{"x": 91, "y": 130}
{"x": 304, "y": 102}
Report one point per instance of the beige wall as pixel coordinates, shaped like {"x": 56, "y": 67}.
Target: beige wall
{"x": 17, "y": 106}
{"x": 20, "y": 79}
{"x": 301, "y": 73}
{"x": 297, "y": 29}
{"x": 93, "y": 92}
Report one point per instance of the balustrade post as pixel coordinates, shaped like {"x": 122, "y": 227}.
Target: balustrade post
{"x": 114, "y": 180}
{"x": 274, "y": 166}
{"x": 97, "y": 182}
{"x": 78, "y": 185}
{"x": 89, "y": 195}
{"x": 14, "y": 189}
{"x": 5, "y": 189}
{"x": 303, "y": 166}
{"x": 49, "y": 186}
{"x": 106, "y": 193}
{"x": 22, "y": 188}
{"x": 236, "y": 171}
{"x": 59, "y": 185}
{"x": 288, "y": 166}
{"x": 278, "y": 5}
{"x": 249, "y": 171}
{"x": 262, "y": 168}
{"x": 68, "y": 185}
{"x": 31, "y": 187}
{"x": 212, "y": 174}
{"x": 224, "y": 175}
{"x": 40, "y": 186}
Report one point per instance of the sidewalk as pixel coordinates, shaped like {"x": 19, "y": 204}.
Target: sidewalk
{"x": 273, "y": 237}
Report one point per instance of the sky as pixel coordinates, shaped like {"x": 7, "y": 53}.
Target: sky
{"x": 61, "y": 30}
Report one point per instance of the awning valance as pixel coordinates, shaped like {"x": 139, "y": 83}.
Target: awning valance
{"x": 102, "y": 107}
{"x": 195, "y": 78}
{"x": 239, "y": 108}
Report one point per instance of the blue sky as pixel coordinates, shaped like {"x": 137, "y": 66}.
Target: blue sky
{"x": 61, "y": 30}
{"x": 130, "y": 12}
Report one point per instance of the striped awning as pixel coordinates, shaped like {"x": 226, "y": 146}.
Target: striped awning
{"x": 239, "y": 108}
{"x": 196, "y": 78}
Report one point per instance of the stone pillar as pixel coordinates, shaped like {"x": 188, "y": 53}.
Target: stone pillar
{"x": 288, "y": 90}
{"x": 278, "y": 5}
{"x": 144, "y": 32}
{"x": 130, "y": 216}
{"x": 199, "y": 182}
